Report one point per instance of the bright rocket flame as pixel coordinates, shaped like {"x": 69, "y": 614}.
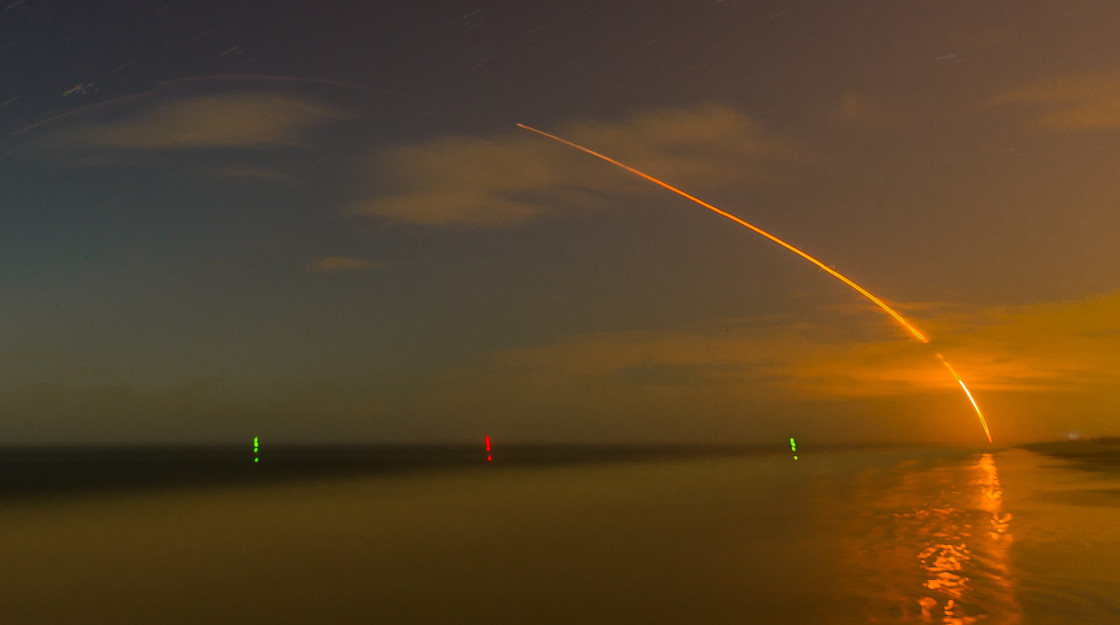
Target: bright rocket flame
{"x": 983, "y": 422}
{"x": 832, "y": 272}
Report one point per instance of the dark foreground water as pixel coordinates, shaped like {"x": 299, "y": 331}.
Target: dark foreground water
{"x": 909, "y": 536}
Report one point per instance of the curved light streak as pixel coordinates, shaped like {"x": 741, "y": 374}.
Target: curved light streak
{"x": 983, "y": 421}
{"x": 859, "y": 289}
{"x": 862, "y": 291}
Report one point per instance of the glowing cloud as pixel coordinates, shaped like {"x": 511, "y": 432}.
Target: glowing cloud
{"x": 457, "y": 181}
{"x": 1071, "y": 103}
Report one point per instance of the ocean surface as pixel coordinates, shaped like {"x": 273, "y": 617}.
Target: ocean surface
{"x": 858, "y": 536}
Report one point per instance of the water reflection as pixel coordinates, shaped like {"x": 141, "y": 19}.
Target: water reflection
{"x": 939, "y": 539}
{"x": 947, "y": 557}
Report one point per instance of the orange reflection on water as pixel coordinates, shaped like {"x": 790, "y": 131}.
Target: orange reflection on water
{"x": 935, "y": 545}
{"x": 947, "y": 562}
{"x": 944, "y": 563}
{"x": 993, "y": 499}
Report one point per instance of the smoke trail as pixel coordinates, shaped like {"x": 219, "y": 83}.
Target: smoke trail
{"x": 862, "y": 291}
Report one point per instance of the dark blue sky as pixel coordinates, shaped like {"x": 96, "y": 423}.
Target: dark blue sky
{"x": 317, "y": 221}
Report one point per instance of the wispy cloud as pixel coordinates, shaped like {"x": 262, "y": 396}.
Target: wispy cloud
{"x": 248, "y": 120}
{"x": 505, "y": 179}
{"x": 1069, "y": 344}
{"x": 1046, "y": 350}
{"x": 336, "y": 264}
{"x": 1070, "y": 103}
{"x": 1060, "y": 346}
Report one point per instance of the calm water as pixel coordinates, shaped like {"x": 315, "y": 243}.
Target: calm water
{"x": 852, "y": 537}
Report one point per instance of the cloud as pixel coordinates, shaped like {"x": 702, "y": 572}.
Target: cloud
{"x": 1070, "y": 345}
{"x": 336, "y": 264}
{"x": 1039, "y": 355}
{"x": 252, "y": 120}
{"x": 1036, "y": 371}
{"x": 1071, "y": 103}
{"x": 514, "y": 177}
{"x": 796, "y": 360}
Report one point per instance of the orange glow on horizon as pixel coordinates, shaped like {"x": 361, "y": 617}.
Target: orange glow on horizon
{"x": 862, "y": 291}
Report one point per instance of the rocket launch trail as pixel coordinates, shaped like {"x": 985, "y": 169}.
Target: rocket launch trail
{"x": 862, "y": 291}
{"x": 983, "y": 422}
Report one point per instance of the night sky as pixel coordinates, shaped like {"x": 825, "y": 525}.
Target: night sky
{"x": 318, "y": 221}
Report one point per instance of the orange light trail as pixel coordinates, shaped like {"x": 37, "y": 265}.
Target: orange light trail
{"x": 859, "y": 289}
{"x": 832, "y": 272}
{"x": 983, "y": 422}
